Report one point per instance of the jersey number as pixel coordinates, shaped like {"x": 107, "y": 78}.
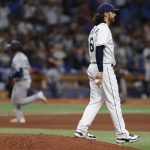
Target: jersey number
{"x": 91, "y": 44}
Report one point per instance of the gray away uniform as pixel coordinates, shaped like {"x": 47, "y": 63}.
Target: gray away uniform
{"x": 22, "y": 84}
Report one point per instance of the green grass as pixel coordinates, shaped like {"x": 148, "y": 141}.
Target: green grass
{"x": 6, "y": 108}
{"x": 105, "y": 136}
{"x": 144, "y": 144}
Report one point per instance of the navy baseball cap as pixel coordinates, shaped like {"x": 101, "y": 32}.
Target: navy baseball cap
{"x": 106, "y": 8}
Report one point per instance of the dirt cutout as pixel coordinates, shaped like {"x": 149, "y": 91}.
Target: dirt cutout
{"x": 134, "y": 122}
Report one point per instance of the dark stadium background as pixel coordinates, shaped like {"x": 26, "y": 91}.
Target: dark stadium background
{"x": 54, "y": 34}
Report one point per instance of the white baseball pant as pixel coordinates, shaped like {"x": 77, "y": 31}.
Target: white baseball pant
{"x": 106, "y": 92}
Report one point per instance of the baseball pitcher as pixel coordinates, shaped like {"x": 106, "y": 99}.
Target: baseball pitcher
{"x": 103, "y": 83}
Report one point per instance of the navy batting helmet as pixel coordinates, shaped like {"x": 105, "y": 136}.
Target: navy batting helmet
{"x": 16, "y": 45}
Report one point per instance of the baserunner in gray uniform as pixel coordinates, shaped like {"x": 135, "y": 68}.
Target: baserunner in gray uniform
{"x": 22, "y": 82}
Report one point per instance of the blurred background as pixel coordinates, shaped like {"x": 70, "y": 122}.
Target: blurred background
{"x": 55, "y": 33}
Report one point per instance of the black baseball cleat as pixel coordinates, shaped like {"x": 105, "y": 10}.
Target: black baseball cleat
{"x": 84, "y": 135}
{"x": 130, "y": 139}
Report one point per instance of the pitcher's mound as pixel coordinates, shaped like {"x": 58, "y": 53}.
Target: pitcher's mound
{"x": 52, "y": 142}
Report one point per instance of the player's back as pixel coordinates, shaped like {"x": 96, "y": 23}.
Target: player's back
{"x": 101, "y": 35}
{"x": 94, "y": 39}
{"x": 91, "y": 43}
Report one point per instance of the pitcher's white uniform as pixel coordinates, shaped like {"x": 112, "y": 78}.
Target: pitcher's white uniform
{"x": 107, "y": 91}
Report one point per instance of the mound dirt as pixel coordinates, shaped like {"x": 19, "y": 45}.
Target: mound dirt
{"x": 52, "y": 142}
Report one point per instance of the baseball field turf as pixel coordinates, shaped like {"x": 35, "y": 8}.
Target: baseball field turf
{"x": 102, "y": 133}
